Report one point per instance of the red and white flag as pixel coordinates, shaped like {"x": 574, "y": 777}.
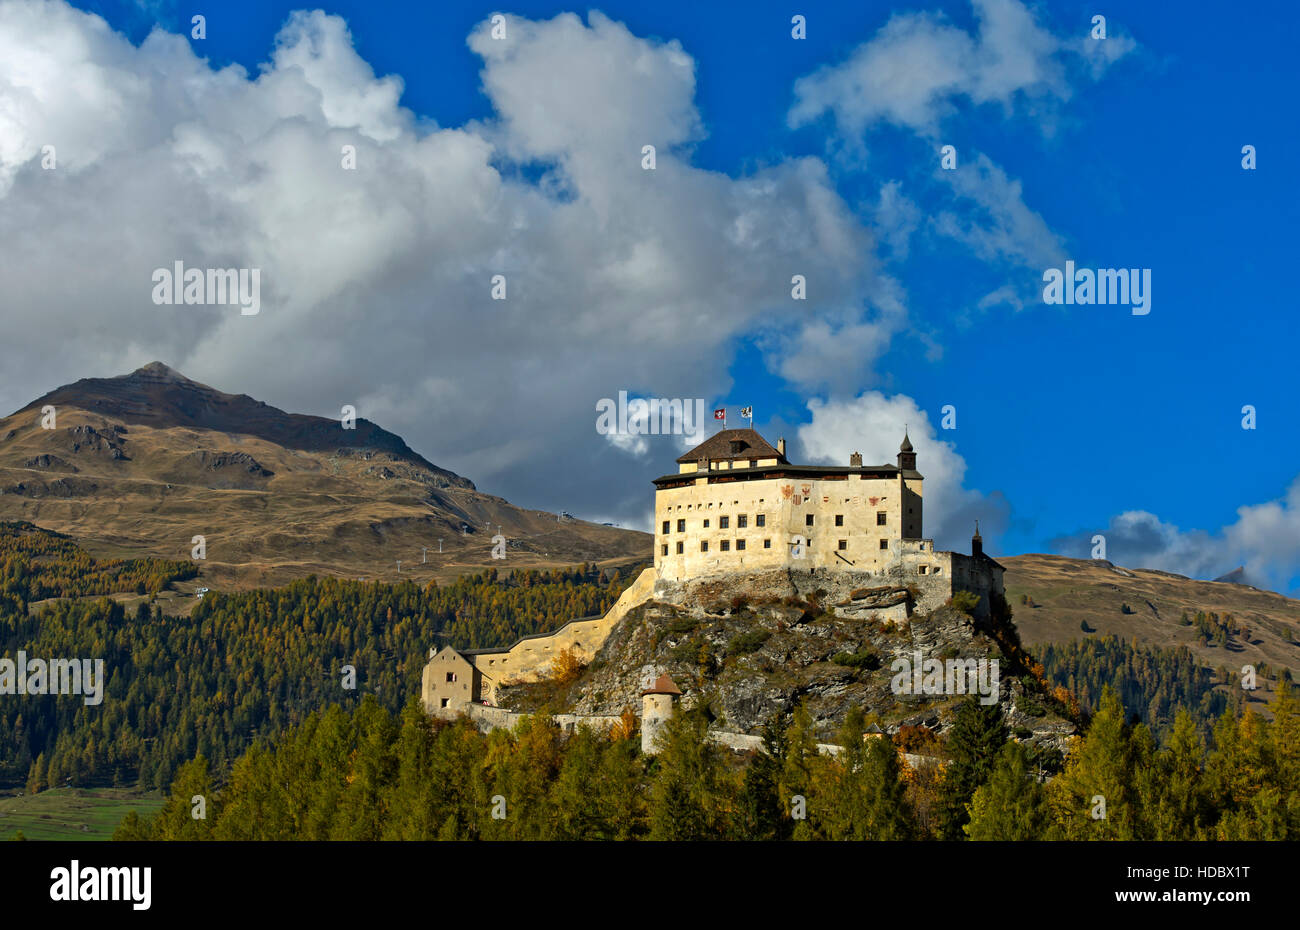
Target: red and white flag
{"x": 720, "y": 413}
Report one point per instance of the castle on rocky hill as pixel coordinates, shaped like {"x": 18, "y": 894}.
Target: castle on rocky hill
{"x": 738, "y": 514}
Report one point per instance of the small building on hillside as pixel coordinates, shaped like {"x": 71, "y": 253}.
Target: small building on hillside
{"x": 452, "y": 680}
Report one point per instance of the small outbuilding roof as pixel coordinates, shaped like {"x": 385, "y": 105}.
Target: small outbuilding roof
{"x": 662, "y": 685}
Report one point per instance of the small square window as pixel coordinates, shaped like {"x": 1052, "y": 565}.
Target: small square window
{"x": 681, "y": 526}
{"x": 704, "y": 545}
{"x": 808, "y": 519}
{"x": 881, "y": 518}
{"x": 679, "y": 548}
{"x": 663, "y": 550}
{"x": 844, "y": 544}
{"x": 884, "y": 544}
{"x": 760, "y": 519}
{"x": 742, "y": 521}
{"x": 767, "y": 544}
{"x": 445, "y": 702}
{"x": 726, "y": 545}
{"x": 923, "y": 569}
{"x": 724, "y": 523}
{"x": 839, "y": 519}
{"x": 666, "y": 522}
{"x": 706, "y": 524}
{"x": 740, "y": 545}
{"x": 451, "y": 676}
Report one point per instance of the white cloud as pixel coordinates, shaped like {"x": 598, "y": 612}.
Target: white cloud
{"x": 375, "y": 282}
{"x": 1264, "y": 539}
{"x": 918, "y": 67}
{"x": 873, "y": 424}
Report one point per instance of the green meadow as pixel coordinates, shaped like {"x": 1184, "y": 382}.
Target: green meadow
{"x": 72, "y": 813}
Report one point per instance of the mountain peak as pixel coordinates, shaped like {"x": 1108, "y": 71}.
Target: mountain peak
{"x": 158, "y": 396}
{"x": 158, "y": 371}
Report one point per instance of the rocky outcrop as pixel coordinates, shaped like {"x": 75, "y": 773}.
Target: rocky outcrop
{"x": 754, "y": 647}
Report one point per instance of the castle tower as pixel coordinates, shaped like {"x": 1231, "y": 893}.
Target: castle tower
{"x": 656, "y": 707}
{"x": 977, "y": 542}
{"x": 906, "y": 457}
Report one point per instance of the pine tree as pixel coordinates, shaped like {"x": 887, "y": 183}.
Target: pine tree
{"x": 1011, "y": 804}
{"x": 1172, "y": 788}
{"x": 1096, "y": 797}
{"x": 689, "y": 799}
{"x": 974, "y": 740}
{"x": 191, "y": 794}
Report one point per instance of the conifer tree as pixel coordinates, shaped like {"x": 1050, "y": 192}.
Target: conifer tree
{"x": 1096, "y": 797}
{"x": 689, "y": 797}
{"x": 973, "y": 742}
{"x": 1011, "y": 804}
{"x": 177, "y": 820}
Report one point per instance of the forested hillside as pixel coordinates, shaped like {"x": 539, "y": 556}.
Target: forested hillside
{"x": 242, "y": 665}
{"x": 367, "y": 775}
{"x": 1152, "y": 683}
{"x": 36, "y": 564}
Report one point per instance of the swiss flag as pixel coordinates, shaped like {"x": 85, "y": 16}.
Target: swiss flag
{"x": 720, "y": 413}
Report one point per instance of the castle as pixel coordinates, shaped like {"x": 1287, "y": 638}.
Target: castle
{"x": 737, "y": 507}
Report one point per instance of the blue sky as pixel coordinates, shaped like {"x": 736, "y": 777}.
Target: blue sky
{"x": 1071, "y": 420}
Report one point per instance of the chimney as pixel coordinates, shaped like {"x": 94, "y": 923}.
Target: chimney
{"x": 780, "y": 446}
{"x": 855, "y": 460}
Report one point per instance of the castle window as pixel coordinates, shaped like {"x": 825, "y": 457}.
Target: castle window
{"x": 706, "y": 524}
{"x": 451, "y": 676}
{"x": 445, "y": 702}
{"x": 839, "y": 520}
{"x": 767, "y": 544}
{"x": 742, "y": 521}
{"x": 844, "y": 544}
{"x": 760, "y": 519}
{"x": 704, "y": 545}
{"x": 726, "y": 545}
{"x": 808, "y": 519}
{"x": 740, "y": 545}
{"x": 936, "y": 570}
{"x": 681, "y": 526}
{"x": 679, "y": 548}
{"x": 666, "y": 522}
{"x": 882, "y": 518}
{"x": 724, "y": 523}
{"x": 884, "y": 544}
{"x": 922, "y": 569}
{"x": 663, "y": 550}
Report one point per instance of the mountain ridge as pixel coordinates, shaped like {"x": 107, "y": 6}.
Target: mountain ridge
{"x": 142, "y": 463}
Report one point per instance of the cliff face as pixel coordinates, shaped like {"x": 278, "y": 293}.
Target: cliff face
{"x": 750, "y": 653}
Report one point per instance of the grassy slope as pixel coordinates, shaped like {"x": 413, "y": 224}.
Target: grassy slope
{"x": 72, "y": 813}
{"x": 1066, "y": 592}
